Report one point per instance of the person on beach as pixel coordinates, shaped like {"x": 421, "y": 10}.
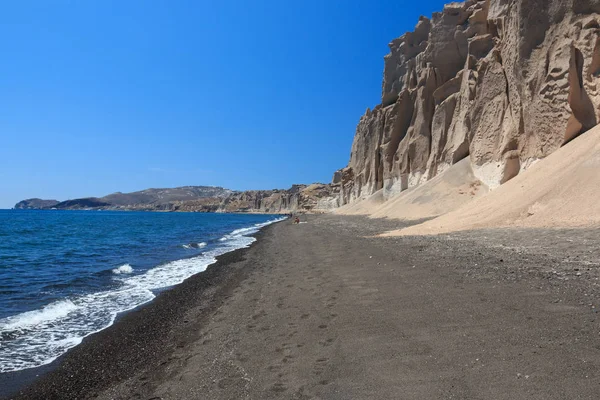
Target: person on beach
{"x": 297, "y": 220}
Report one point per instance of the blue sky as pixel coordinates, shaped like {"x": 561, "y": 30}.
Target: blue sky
{"x": 104, "y": 96}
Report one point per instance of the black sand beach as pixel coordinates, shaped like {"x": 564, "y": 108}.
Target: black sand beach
{"x": 324, "y": 310}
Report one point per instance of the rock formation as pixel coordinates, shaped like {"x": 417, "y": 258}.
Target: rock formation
{"x": 315, "y": 197}
{"x": 503, "y": 82}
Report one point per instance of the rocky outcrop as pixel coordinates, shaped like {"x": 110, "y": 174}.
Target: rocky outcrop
{"x": 503, "y": 82}
{"x": 35, "y": 204}
{"x": 307, "y": 198}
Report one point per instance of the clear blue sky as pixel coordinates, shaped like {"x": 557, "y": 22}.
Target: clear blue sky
{"x": 104, "y": 96}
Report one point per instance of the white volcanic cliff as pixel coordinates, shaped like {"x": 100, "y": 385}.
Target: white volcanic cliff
{"x": 504, "y": 83}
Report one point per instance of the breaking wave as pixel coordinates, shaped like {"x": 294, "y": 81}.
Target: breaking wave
{"x": 194, "y": 245}
{"x": 123, "y": 269}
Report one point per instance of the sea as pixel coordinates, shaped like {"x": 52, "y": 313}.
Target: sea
{"x": 65, "y": 275}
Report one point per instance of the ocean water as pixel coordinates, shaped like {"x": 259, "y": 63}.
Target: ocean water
{"x": 67, "y": 274}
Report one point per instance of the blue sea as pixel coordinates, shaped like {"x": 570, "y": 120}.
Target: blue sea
{"x": 67, "y": 274}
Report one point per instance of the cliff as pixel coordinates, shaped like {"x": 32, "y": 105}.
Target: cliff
{"x": 503, "y": 83}
{"x": 310, "y": 198}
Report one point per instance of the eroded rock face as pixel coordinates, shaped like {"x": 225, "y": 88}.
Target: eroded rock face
{"x": 503, "y": 82}
{"x": 314, "y": 198}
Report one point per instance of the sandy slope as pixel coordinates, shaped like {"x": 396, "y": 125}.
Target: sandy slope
{"x": 444, "y": 193}
{"x": 362, "y": 207}
{"x": 563, "y": 190}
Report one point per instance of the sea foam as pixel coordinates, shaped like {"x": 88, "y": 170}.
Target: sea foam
{"x": 195, "y": 245}
{"x": 47, "y": 314}
{"x": 123, "y": 269}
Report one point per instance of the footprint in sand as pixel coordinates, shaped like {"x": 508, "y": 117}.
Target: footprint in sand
{"x": 259, "y": 314}
{"x": 274, "y": 368}
{"x": 292, "y": 334}
{"x": 280, "y": 302}
{"x": 320, "y": 365}
{"x": 287, "y": 359}
{"x": 278, "y": 387}
{"x": 225, "y": 383}
{"x": 327, "y": 342}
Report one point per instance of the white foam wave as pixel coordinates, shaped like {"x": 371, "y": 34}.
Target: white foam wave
{"x": 123, "y": 269}
{"x": 236, "y": 234}
{"x": 194, "y": 245}
{"x": 47, "y": 314}
{"x": 38, "y": 337}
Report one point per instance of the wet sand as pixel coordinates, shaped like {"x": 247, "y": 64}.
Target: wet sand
{"x": 323, "y": 310}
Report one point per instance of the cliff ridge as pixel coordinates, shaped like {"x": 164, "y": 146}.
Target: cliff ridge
{"x": 503, "y": 83}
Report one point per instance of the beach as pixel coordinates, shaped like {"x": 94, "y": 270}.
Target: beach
{"x": 328, "y": 310}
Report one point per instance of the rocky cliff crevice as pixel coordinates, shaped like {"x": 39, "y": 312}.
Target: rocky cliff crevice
{"x": 503, "y": 82}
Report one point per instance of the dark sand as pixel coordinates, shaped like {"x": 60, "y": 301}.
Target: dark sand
{"x": 323, "y": 311}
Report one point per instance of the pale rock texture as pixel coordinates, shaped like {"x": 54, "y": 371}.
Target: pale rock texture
{"x": 504, "y": 82}
{"x": 299, "y": 198}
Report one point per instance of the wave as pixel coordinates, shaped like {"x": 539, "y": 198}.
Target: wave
{"x": 47, "y": 314}
{"x": 248, "y": 230}
{"x": 123, "y": 269}
{"x": 38, "y": 337}
{"x": 194, "y": 245}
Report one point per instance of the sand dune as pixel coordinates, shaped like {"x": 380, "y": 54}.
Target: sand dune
{"x": 444, "y": 193}
{"x": 563, "y": 190}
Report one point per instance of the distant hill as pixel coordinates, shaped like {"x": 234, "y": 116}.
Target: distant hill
{"x": 77, "y": 204}
{"x": 203, "y": 199}
{"x": 35, "y": 204}
{"x": 165, "y": 196}
{"x": 149, "y": 199}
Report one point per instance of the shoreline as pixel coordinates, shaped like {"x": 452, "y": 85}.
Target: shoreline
{"x": 126, "y": 330}
{"x": 327, "y": 310}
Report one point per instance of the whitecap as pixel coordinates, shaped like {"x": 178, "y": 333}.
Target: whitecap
{"x": 123, "y": 269}
{"x": 47, "y": 314}
{"x": 235, "y": 234}
{"x": 194, "y": 245}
